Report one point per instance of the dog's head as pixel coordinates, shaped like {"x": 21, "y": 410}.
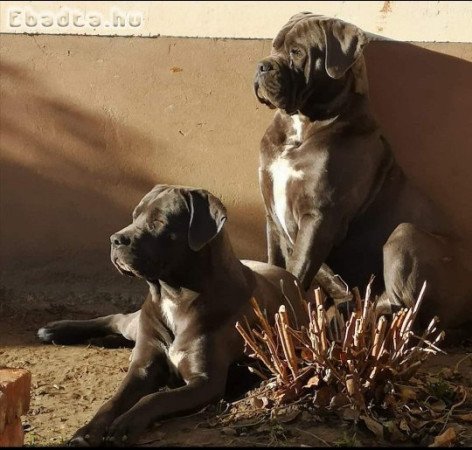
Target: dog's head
{"x": 170, "y": 224}
{"x": 310, "y": 58}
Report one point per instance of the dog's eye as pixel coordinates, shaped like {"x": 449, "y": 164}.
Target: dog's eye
{"x": 295, "y": 52}
{"x": 155, "y": 224}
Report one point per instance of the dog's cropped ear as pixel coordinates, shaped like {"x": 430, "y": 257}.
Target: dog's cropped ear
{"x": 344, "y": 45}
{"x": 207, "y": 217}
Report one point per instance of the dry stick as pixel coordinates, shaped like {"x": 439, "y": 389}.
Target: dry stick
{"x": 417, "y": 348}
{"x": 262, "y": 319}
{"x": 420, "y": 299}
{"x": 302, "y": 373}
{"x": 289, "y": 303}
{"x": 368, "y": 330}
{"x": 392, "y": 332}
{"x": 280, "y": 366}
{"x": 281, "y": 340}
{"x": 259, "y": 336}
{"x": 353, "y": 386}
{"x": 340, "y": 322}
{"x": 453, "y": 407}
{"x": 314, "y": 331}
{"x": 398, "y": 336}
{"x": 410, "y": 321}
{"x": 315, "y": 436}
{"x": 249, "y": 329}
{"x": 404, "y": 331}
{"x": 316, "y": 357}
{"x": 377, "y": 347}
{"x": 365, "y": 314}
{"x": 257, "y": 372}
{"x": 257, "y": 351}
{"x": 456, "y": 367}
{"x": 432, "y": 345}
{"x": 368, "y": 289}
{"x": 349, "y": 331}
{"x": 318, "y": 298}
{"x": 322, "y": 327}
{"x": 337, "y": 336}
{"x": 406, "y": 322}
{"x": 287, "y": 342}
{"x": 401, "y": 317}
{"x": 319, "y": 308}
{"x": 411, "y": 315}
{"x": 358, "y": 301}
{"x": 357, "y": 334}
{"x": 409, "y": 371}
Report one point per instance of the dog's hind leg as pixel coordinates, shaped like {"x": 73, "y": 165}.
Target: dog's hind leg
{"x": 114, "y": 327}
{"x": 413, "y": 256}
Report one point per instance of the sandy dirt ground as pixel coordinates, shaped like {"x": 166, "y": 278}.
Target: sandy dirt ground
{"x": 70, "y": 383}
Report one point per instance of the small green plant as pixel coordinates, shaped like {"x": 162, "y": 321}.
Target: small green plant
{"x": 347, "y": 441}
{"x": 30, "y": 439}
{"x": 278, "y": 433}
{"x": 441, "y": 389}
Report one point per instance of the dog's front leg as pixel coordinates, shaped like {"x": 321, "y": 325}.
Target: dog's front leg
{"x": 316, "y": 236}
{"x": 204, "y": 369}
{"x": 199, "y": 392}
{"x": 148, "y": 371}
{"x": 274, "y": 250}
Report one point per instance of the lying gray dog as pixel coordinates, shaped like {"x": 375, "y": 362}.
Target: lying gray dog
{"x": 185, "y": 331}
{"x": 332, "y": 190}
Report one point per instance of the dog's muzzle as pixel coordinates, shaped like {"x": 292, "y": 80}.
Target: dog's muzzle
{"x": 120, "y": 249}
{"x": 272, "y": 83}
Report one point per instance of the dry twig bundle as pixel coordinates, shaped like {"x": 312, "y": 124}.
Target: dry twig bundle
{"x": 340, "y": 360}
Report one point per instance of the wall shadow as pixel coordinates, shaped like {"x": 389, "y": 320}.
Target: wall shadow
{"x": 67, "y": 181}
{"x": 423, "y": 101}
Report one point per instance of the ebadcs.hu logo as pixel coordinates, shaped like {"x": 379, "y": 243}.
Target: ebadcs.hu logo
{"x": 28, "y": 19}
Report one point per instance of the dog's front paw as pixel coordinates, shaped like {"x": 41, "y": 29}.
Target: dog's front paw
{"x": 60, "y": 332}
{"x": 87, "y": 437}
{"x": 46, "y": 334}
{"x": 79, "y": 441}
{"x": 125, "y": 430}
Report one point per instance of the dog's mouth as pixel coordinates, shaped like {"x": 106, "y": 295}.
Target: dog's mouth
{"x": 262, "y": 99}
{"x": 124, "y": 268}
{"x": 276, "y": 93}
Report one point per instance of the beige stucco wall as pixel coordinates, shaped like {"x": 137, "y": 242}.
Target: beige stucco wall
{"x": 88, "y": 124}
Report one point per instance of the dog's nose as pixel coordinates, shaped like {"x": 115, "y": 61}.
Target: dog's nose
{"x": 120, "y": 239}
{"x": 265, "y": 66}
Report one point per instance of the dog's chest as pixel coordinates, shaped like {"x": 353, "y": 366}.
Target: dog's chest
{"x": 283, "y": 174}
{"x": 172, "y": 303}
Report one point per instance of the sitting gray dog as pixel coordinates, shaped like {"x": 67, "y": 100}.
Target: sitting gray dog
{"x": 332, "y": 190}
{"x": 185, "y": 331}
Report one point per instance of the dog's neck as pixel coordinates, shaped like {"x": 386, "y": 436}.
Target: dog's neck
{"x": 215, "y": 264}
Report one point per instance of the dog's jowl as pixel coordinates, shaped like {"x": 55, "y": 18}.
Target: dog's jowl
{"x": 333, "y": 192}
{"x": 185, "y": 335}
